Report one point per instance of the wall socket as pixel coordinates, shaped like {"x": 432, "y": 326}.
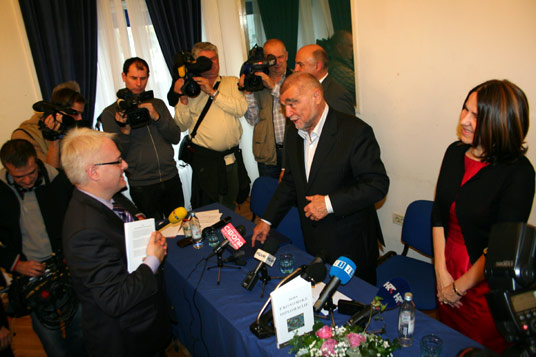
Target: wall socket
{"x": 398, "y": 218}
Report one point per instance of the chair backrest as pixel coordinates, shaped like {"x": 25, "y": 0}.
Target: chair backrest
{"x": 261, "y": 193}
{"x": 417, "y": 227}
{"x": 290, "y": 226}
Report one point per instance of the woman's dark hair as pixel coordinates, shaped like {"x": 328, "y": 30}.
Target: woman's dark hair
{"x": 502, "y": 120}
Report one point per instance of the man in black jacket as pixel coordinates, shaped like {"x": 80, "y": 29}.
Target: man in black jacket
{"x": 34, "y": 198}
{"x": 335, "y": 174}
{"x": 124, "y": 313}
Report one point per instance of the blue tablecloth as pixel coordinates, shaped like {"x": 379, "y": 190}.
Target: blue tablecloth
{"x": 215, "y": 319}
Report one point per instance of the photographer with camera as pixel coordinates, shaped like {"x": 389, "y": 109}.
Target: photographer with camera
{"x": 34, "y": 198}
{"x": 51, "y": 120}
{"x": 264, "y": 111}
{"x": 215, "y": 144}
{"x": 145, "y": 136}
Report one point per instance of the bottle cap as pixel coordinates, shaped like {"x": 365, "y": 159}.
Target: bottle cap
{"x": 408, "y": 296}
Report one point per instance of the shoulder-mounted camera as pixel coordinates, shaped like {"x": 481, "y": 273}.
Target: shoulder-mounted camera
{"x": 255, "y": 63}
{"x": 128, "y": 102}
{"x": 187, "y": 67}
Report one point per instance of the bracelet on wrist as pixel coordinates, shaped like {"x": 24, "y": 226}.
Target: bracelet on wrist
{"x": 213, "y": 96}
{"x": 456, "y": 290}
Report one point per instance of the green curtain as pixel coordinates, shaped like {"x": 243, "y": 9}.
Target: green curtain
{"x": 280, "y": 20}
{"x": 341, "y": 15}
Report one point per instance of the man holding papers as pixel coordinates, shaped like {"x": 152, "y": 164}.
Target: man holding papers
{"x": 123, "y": 314}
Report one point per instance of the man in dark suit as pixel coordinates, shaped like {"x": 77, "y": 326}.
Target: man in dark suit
{"x": 314, "y": 59}
{"x": 123, "y": 314}
{"x": 335, "y": 176}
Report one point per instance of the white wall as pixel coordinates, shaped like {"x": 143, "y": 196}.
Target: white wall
{"x": 20, "y": 88}
{"x": 418, "y": 59}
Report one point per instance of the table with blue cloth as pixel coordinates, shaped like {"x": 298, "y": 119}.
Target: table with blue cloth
{"x": 214, "y": 320}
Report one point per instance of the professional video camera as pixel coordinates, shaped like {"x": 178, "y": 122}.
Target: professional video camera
{"x": 187, "y": 67}
{"x": 67, "y": 121}
{"x": 255, "y": 63}
{"x": 128, "y": 102}
{"x": 511, "y": 273}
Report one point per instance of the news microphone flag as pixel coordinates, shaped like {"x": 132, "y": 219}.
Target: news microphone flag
{"x": 230, "y": 233}
{"x": 341, "y": 272}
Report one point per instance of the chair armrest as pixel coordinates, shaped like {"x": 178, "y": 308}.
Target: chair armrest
{"x": 382, "y": 259}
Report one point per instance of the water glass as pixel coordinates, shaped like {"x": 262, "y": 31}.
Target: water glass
{"x": 213, "y": 238}
{"x": 431, "y": 346}
{"x": 286, "y": 263}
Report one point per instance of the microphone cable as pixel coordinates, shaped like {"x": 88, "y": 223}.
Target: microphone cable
{"x": 195, "y": 304}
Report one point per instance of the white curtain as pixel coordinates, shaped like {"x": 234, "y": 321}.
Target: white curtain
{"x": 322, "y": 19}
{"x": 116, "y": 43}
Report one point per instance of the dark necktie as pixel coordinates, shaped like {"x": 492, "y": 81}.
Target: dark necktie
{"x": 122, "y": 213}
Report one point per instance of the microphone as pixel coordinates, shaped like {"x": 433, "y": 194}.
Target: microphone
{"x": 270, "y": 248}
{"x": 391, "y": 293}
{"x": 240, "y": 230}
{"x": 341, "y": 272}
{"x": 177, "y": 215}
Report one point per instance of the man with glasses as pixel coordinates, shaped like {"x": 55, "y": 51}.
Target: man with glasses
{"x": 34, "y": 198}
{"x": 123, "y": 313}
{"x": 47, "y": 147}
{"x": 155, "y": 186}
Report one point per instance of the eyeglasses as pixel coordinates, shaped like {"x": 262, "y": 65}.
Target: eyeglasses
{"x": 118, "y": 162}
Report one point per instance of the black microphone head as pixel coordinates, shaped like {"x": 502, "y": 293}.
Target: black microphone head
{"x": 241, "y": 229}
{"x": 315, "y": 272}
{"x": 271, "y": 246}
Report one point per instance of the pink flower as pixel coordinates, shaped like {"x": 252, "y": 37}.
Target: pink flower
{"x": 328, "y": 347}
{"x": 355, "y": 339}
{"x": 325, "y": 332}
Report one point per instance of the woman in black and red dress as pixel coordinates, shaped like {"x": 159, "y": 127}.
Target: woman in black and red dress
{"x": 485, "y": 178}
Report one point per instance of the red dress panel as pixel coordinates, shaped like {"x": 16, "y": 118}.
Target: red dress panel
{"x": 474, "y": 318}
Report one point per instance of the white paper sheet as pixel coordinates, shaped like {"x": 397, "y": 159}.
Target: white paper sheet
{"x": 137, "y": 236}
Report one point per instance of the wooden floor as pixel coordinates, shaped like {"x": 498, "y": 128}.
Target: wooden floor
{"x": 27, "y": 344}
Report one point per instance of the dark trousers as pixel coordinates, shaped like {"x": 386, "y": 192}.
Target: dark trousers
{"x": 271, "y": 170}
{"x": 160, "y": 199}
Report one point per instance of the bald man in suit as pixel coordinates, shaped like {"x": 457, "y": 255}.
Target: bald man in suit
{"x": 335, "y": 175}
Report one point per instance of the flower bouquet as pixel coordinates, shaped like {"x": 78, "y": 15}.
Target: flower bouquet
{"x": 341, "y": 341}
{"x": 344, "y": 341}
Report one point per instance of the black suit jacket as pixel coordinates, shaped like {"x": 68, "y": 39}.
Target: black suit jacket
{"x": 348, "y": 168}
{"x": 337, "y": 96}
{"x": 122, "y": 314}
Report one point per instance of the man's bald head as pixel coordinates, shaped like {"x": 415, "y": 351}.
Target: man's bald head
{"x": 312, "y": 59}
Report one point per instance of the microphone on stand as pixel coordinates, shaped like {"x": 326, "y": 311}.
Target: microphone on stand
{"x": 341, "y": 272}
{"x": 392, "y": 293}
{"x": 230, "y": 238}
{"x": 267, "y": 255}
{"x": 177, "y": 215}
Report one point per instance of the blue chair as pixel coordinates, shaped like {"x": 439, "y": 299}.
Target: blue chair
{"x": 261, "y": 193}
{"x": 417, "y": 234}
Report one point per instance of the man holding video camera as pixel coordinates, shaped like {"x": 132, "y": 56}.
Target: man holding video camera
{"x": 145, "y": 133}
{"x": 264, "y": 112}
{"x": 51, "y": 120}
{"x": 215, "y": 144}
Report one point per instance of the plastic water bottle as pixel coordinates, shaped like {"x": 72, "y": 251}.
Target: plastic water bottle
{"x": 196, "y": 232}
{"x": 406, "y": 321}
